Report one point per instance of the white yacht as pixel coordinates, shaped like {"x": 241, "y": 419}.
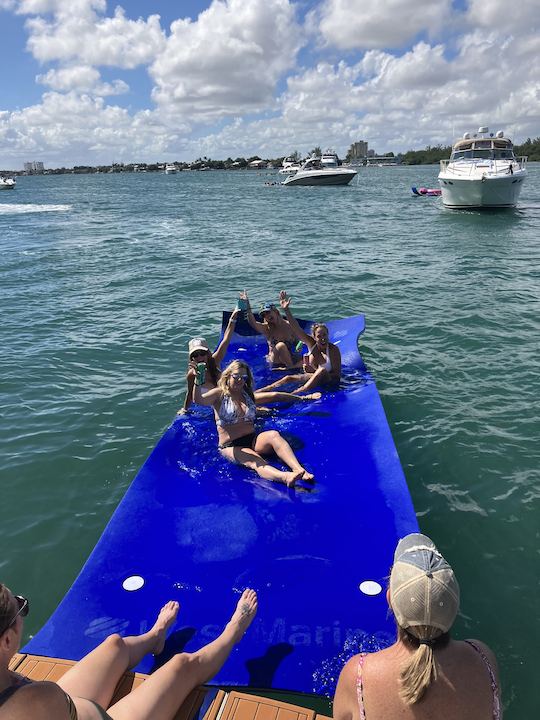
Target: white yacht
{"x": 315, "y": 172}
{"x": 289, "y": 166}
{"x": 170, "y": 169}
{"x": 482, "y": 172}
{"x": 7, "y": 183}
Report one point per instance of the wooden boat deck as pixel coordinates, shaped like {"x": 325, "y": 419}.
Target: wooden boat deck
{"x": 215, "y": 704}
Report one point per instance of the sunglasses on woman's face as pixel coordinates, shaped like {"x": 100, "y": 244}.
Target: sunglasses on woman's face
{"x": 198, "y": 354}
{"x": 237, "y": 376}
{"x": 24, "y": 606}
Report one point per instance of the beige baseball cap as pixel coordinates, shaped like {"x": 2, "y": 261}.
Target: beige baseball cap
{"x": 197, "y": 343}
{"x": 423, "y": 587}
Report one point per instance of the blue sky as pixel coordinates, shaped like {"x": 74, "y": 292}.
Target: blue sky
{"x": 157, "y": 80}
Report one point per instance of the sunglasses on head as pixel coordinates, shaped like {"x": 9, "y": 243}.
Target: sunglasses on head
{"x": 24, "y": 606}
{"x": 237, "y": 376}
{"x": 198, "y": 353}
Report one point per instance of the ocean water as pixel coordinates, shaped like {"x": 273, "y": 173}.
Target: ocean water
{"x": 104, "y": 278}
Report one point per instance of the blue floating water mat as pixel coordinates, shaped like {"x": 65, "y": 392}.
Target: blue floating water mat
{"x": 196, "y": 528}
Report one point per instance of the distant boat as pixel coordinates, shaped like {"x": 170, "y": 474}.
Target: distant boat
{"x": 315, "y": 172}
{"x": 7, "y": 183}
{"x": 482, "y": 172}
{"x": 289, "y": 166}
{"x": 170, "y": 169}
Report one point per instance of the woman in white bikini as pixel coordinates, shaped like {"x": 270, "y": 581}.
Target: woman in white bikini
{"x": 87, "y": 688}
{"x": 425, "y": 674}
{"x": 234, "y": 403}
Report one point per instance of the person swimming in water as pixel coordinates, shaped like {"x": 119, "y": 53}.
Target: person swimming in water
{"x": 235, "y": 402}
{"x": 279, "y": 334}
{"x": 323, "y": 362}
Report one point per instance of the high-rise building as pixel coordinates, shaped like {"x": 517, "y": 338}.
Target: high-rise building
{"x": 358, "y": 150}
{"x": 34, "y": 168}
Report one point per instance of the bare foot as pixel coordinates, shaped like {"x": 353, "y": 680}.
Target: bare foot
{"x": 290, "y": 478}
{"x": 307, "y": 476}
{"x": 167, "y": 616}
{"x": 312, "y": 396}
{"x": 242, "y": 617}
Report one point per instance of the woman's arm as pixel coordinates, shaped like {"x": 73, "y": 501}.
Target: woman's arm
{"x": 221, "y": 349}
{"x": 189, "y": 395}
{"x": 285, "y": 302}
{"x": 345, "y": 701}
{"x": 257, "y": 326}
{"x": 198, "y": 396}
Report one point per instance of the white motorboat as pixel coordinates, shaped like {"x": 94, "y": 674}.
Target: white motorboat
{"x": 170, "y": 169}
{"x": 315, "y": 172}
{"x": 289, "y": 166}
{"x": 482, "y": 172}
{"x": 7, "y": 183}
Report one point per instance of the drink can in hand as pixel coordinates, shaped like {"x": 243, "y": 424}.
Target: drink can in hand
{"x": 201, "y": 373}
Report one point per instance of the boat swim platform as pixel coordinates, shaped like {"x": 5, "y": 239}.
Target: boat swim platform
{"x": 203, "y": 703}
{"x": 196, "y": 528}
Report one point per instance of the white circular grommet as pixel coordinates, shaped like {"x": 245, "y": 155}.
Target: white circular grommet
{"x": 135, "y": 582}
{"x": 370, "y": 587}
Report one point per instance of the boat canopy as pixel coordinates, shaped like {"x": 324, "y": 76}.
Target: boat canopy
{"x": 498, "y": 148}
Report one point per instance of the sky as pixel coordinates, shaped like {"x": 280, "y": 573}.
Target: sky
{"x": 88, "y": 82}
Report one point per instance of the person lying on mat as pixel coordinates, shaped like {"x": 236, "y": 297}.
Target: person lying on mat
{"x": 322, "y": 365}
{"x": 86, "y": 690}
{"x": 279, "y": 334}
{"x": 199, "y": 352}
{"x": 234, "y": 402}
{"x": 425, "y": 673}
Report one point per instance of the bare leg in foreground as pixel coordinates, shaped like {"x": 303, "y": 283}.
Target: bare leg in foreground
{"x": 96, "y": 676}
{"x": 160, "y": 696}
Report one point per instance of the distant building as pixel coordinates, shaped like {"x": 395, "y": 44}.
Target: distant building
{"x": 358, "y": 150}
{"x": 257, "y": 164}
{"x": 34, "y": 168}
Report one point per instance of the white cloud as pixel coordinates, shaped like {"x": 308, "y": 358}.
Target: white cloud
{"x": 77, "y": 32}
{"x": 69, "y": 128}
{"x": 82, "y": 78}
{"x": 365, "y": 24}
{"x": 522, "y": 16}
{"x": 228, "y": 60}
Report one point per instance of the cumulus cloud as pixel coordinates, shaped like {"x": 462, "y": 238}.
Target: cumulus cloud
{"x": 402, "y": 85}
{"x": 82, "y": 78}
{"x": 524, "y": 16}
{"x": 367, "y": 24}
{"x": 69, "y": 128}
{"x": 77, "y": 32}
{"x": 228, "y": 60}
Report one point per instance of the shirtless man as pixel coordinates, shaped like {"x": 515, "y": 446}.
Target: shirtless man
{"x": 278, "y": 332}
{"x": 323, "y": 362}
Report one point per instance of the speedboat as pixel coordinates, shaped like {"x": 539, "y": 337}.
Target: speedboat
{"x": 7, "y": 183}
{"x": 289, "y": 166}
{"x": 170, "y": 169}
{"x": 482, "y": 172}
{"x": 315, "y": 172}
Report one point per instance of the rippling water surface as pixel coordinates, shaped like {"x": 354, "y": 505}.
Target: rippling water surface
{"x": 104, "y": 278}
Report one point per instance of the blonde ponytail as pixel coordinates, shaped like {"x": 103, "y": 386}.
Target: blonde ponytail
{"x": 420, "y": 671}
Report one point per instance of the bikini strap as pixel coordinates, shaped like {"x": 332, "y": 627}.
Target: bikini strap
{"x": 360, "y": 686}
{"x": 492, "y": 678}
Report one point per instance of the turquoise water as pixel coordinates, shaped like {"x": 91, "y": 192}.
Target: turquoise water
{"x": 104, "y": 278}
